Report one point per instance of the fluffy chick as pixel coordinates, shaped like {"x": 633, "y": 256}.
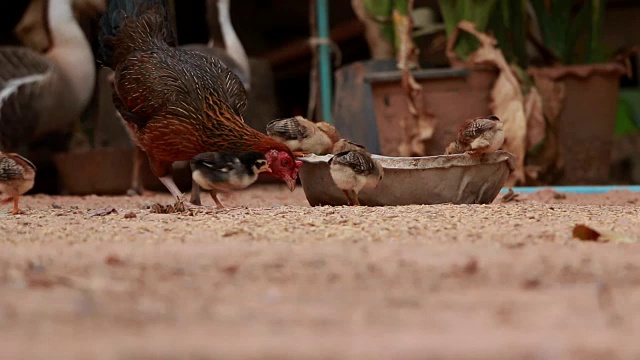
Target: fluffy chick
{"x": 216, "y": 171}
{"x": 346, "y": 145}
{"x": 354, "y": 170}
{"x": 479, "y": 135}
{"x": 302, "y": 135}
{"x": 17, "y": 175}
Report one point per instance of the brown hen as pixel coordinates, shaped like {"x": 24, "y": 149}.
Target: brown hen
{"x": 178, "y": 103}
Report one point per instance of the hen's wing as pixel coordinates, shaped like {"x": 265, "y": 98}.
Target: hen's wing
{"x": 471, "y": 129}
{"x": 222, "y": 55}
{"x": 360, "y": 162}
{"x": 177, "y": 84}
{"x": 289, "y": 128}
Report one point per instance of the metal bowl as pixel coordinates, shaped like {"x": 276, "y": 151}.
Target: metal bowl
{"x": 456, "y": 179}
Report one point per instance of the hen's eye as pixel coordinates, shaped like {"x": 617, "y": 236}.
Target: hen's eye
{"x": 285, "y": 162}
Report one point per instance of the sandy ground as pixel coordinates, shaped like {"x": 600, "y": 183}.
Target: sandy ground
{"x": 277, "y": 279}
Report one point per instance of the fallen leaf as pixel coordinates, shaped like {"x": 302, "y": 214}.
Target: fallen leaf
{"x": 536, "y": 125}
{"x": 178, "y": 207}
{"x": 552, "y": 93}
{"x": 130, "y": 215}
{"x": 531, "y": 283}
{"x": 509, "y": 196}
{"x": 103, "y": 212}
{"x": 586, "y": 233}
{"x": 230, "y": 269}
{"x": 507, "y": 101}
{"x": 113, "y": 260}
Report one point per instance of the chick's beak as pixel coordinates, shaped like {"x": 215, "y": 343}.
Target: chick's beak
{"x": 266, "y": 169}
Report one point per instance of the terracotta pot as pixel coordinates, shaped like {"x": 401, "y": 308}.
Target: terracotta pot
{"x": 451, "y": 95}
{"x": 107, "y": 171}
{"x": 586, "y": 123}
{"x": 353, "y": 112}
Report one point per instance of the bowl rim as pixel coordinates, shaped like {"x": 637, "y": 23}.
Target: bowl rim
{"x": 428, "y": 162}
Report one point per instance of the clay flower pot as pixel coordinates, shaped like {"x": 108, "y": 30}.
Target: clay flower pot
{"x": 584, "y": 127}
{"x": 371, "y": 103}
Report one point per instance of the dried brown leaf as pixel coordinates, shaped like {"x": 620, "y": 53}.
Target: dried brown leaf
{"x": 178, "y": 207}
{"x": 113, "y": 260}
{"x": 103, "y": 212}
{"x": 507, "y": 100}
{"x": 536, "y": 126}
{"x": 379, "y": 46}
{"x": 552, "y": 94}
{"x": 509, "y": 196}
{"x": 419, "y": 128}
{"x": 130, "y": 215}
{"x": 586, "y": 233}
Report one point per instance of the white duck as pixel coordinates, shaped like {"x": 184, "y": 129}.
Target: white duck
{"x": 232, "y": 53}
{"x": 42, "y": 94}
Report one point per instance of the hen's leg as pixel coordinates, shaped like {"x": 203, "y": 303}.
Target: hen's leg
{"x": 136, "y": 175}
{"x": 16, "y": 208}
{"x": 214, "y": 196}
{"x": 168, "y": 182}
{"x": 162, "y": 170}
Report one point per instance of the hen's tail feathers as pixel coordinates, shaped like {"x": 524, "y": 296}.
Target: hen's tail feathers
{"x": 131, "y": 25}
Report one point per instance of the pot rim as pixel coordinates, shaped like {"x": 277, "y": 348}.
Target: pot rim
{"x": 578, "y": 70}
{"x": 428, "y": 162}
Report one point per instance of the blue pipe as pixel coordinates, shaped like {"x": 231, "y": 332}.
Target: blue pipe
{"x": 573, "y": 189}
{"x": 325, "y": 59}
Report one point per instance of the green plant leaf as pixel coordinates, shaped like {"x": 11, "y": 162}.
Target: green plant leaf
{"x": 594, "y": 49}
{"x": 476, "y": 11}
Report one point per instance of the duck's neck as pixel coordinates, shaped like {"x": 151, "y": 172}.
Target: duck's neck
{"x": 63, "y": 26}
{"x": 70, "y": 49}
{"x": 231, "y": 41}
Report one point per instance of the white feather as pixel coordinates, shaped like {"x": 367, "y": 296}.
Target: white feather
{"x": 13, "y": 85}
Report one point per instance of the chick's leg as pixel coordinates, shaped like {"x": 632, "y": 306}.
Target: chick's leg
{"x": 214, "y": 196}
{"x": 195, "y": 193}
{"x": 348, "y": 195}
{"x": 356, "y": 202}
{"x": 16, "y": 209}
